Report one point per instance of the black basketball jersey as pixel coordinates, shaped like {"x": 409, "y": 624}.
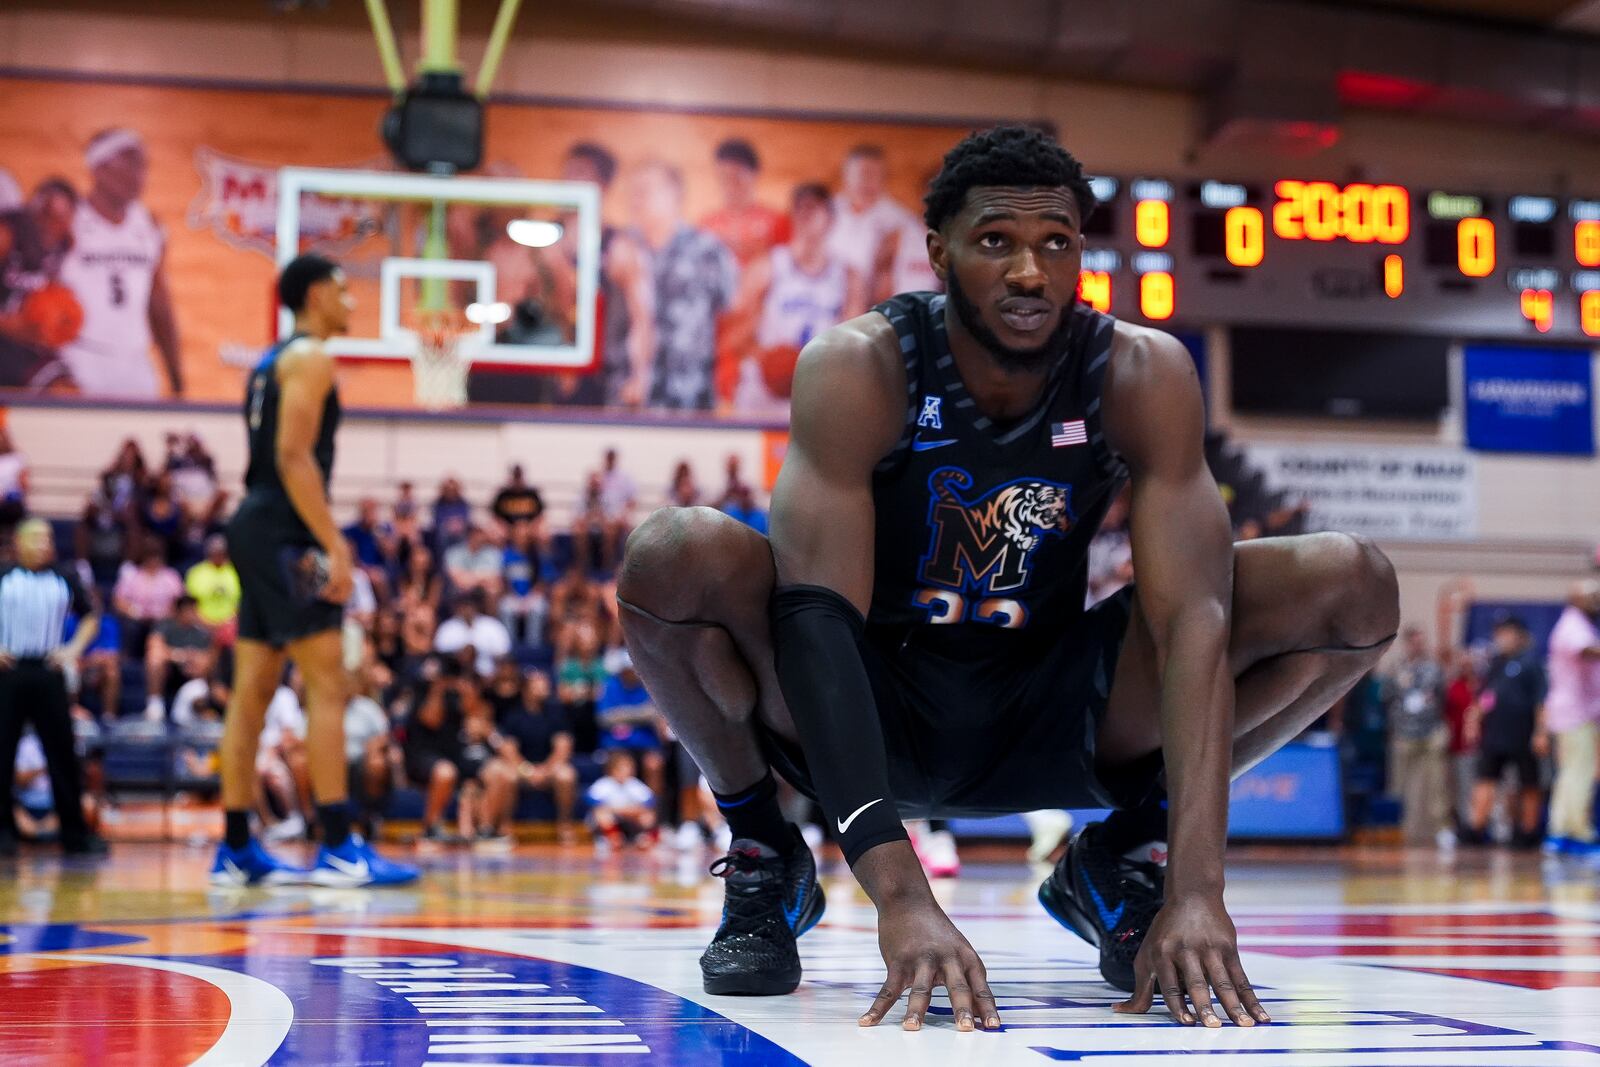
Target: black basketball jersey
{"x": 261, "y": 399}
{"x": 983, "y": 529}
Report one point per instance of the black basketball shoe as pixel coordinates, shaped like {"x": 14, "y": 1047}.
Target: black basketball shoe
{"x": 1105, "y": 898}
{"x": 770, "y": 901}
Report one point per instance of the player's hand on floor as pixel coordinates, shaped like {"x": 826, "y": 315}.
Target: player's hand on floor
{"x": 1190, "y": 951}
{"x": 923, "y": 950}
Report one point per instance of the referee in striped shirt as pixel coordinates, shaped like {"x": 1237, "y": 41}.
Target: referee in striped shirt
{"x": 35, "y": 599}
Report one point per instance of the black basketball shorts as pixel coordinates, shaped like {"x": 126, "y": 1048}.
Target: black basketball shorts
{"x": 975, "y": 738}
{"x": 280, "y": 575}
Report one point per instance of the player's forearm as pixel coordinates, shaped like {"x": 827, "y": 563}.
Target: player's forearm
{"x": 824, "y": 682}
{"x": 1197, "y": 707}
{"x": 302, "y": 481}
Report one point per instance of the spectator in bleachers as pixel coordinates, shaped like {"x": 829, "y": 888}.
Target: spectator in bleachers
{"x": 489, "y": 781}
{"x": 104, "y": 538}
{"x": 370, "y": 752}
{"x": 589, "y": 528}
{"x": 683, "y": 492}
{"x": 181, "y": 640}
{"x": 419, "y": 585}
{"x": 502, "y": 690}
{"x": 144, "y": 595}
{"x": 518, "y": 503}
{"x": 388, "y": 642}
{"x": 471, "y": 627}
{"x": 580, "y": 679}
{"x": 363, "y": 535}
{"x": 195, "y": 694}
{"x": 433, "y": 748}
{"x": 575, "y": 600}
{"x": 629, "y": 720}
{"x": 198, "y": 755}
{"x": 1572, "y": 713}
{"x": 193, "y": 473}
{"x": 618, "y": 497}
{"x": 476, "y": 565}
{"x": 1110, "y": 552}
{"x": 621, "y": 808}
{"x": 100, "y": 670}
{"x": 523, "y": 605}
{"x": 162, "y": 517}
{"x": 1505, "y": 724}
{"x": 538, "y": 744}
{"x": 733, "y": 482}
{"x": 214, "y": 584}
{"x": 452, "y": 515}
{"x": 13, "y": 484}
{"x": 34, "y": 809}
{"x": 283, "y": 784}
{"x": 742, "y": 506}
{"x": 1461, "y": 692}
{"x": 126, "y": 478}
{"x": 1414, "y": 693}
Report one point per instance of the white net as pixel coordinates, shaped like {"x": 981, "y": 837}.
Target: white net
{"x": 439, "y": 365}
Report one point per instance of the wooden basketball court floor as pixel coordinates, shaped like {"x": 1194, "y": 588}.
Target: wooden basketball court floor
{"x": 550, "y": 956}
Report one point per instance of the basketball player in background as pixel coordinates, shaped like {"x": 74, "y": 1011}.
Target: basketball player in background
{"x": 867, "y": 221}
{"x": 912, "y": 641}
{"x": 37, "y": 313}
{"x": 295, "y": 575}
{"x": 696, "y": 279}
{"x": 116, "y": 271}
{"x": 804, "y": 290}
{"x": 751, "y": 230}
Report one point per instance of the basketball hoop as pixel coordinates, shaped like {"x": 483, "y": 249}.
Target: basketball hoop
{"x": 438, "y": 365}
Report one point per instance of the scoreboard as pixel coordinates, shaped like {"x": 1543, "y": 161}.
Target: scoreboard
{"x": 1303, "y": 252}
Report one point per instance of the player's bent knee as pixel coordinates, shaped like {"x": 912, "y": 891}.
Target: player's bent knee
{"x": 677, "y": 555}
{"x": 1369, "y": 609}
{"x": 444, "y": 771}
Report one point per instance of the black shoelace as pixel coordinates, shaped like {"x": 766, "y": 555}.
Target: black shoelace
{"x": 751, "y": 906}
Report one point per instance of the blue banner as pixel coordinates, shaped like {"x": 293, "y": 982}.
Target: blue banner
{"x": 1529, "y": 400}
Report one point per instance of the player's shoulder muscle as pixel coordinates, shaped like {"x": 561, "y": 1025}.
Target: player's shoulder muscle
{"x": 1153, "y": 398}
{"x": 849, "y": 391}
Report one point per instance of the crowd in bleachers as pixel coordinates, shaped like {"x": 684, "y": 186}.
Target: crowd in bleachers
{"x": 489, "y": 681}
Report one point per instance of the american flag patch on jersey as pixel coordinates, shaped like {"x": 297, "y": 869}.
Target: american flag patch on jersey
{"x": 1063, "y": 434}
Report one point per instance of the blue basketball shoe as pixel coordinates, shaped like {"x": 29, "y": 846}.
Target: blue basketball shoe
{"x": 354, "y": 863}
{"x": 1107, "y": 899}
{"x": 253, "y": 865}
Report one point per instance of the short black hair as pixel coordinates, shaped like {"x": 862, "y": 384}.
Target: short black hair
{"x": 813, "y": 191}
{"x": 301, "y": 273}
{"x": 55, "y": 185}
{"x": 738, "y": 150}
{"x": 1017, "y": 156}
{"x": 1514, "y": 622}
{"x": 605, "y": 164}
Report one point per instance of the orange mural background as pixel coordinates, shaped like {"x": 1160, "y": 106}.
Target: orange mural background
{"x": 222, "y": 293}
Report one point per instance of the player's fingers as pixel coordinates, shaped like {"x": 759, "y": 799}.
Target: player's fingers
{"x": 1144, "y": 992}
{"x": 982, "y": 996}
{"x": 1247, "y": 992}
{"x": 956, "y": 984}
{"x": 1227, "y": 995}
{"x": 1193, "y": 975}
{"x": 921, "y": 994}
{"x": 886, "y": 998}
{"x": 1172, "y": 991}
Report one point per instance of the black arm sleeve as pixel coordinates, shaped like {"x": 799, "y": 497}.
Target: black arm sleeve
{"x": 816, "y": 636}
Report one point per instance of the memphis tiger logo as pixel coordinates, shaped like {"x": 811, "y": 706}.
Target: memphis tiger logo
{"x": 981, "y": 551}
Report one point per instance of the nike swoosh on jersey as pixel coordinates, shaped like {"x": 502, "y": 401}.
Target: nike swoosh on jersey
{"x": 919, "y": 445}
{"x": 844, "y": 824}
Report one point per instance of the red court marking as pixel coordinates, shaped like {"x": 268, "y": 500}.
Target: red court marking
{"x": 105, "y": 1013}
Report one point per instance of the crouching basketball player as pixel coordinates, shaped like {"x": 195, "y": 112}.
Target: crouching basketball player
{"x": 294, "y": 574}
{"x": 912, "y": 640}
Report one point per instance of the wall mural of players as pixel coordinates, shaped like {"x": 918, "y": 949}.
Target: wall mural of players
{"x": 727, "y": 243}
{"x": 115, "y": 269}
{"x": 38, "y": 315}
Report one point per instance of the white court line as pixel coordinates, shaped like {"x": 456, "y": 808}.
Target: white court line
{"x": 258, "y": 1020}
